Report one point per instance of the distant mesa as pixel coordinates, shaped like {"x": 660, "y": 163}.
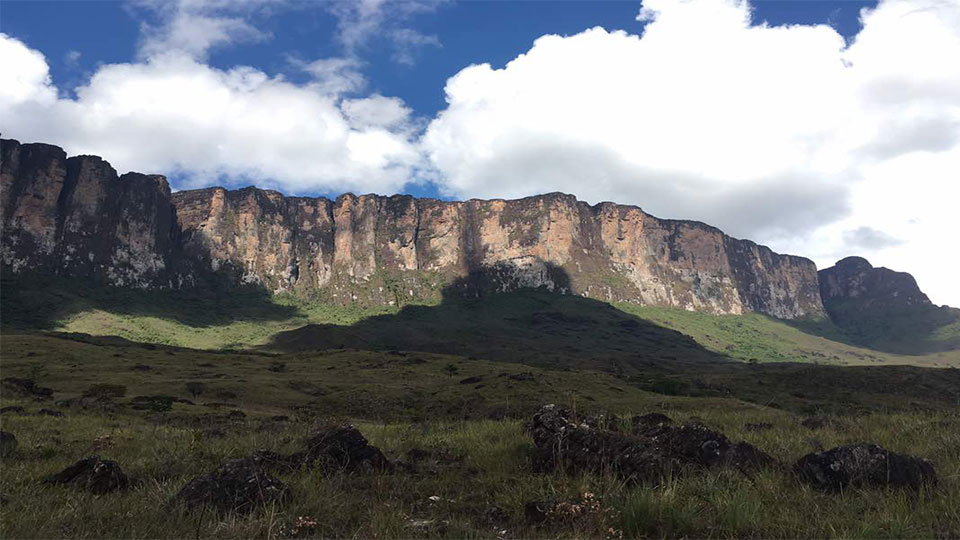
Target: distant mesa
{"x": 76, "y": 217}
{"x": 885, "y": 309}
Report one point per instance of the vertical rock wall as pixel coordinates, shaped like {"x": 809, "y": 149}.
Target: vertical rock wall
{"x": 77, "y": 217}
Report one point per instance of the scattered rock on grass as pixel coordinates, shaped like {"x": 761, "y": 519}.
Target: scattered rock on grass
{"x": 49, "y": 412}
{"x": 577, "y": 447}
{"x": 94, "y": 475}
{"x": 698, "y": 444}
{"x": 863, "y": 465}
{"x": 421, "y": 527}
{"x": 8, "y": 444}
{"x": 471, "y": 380}
{"x": 653, "y": 450}
{"x": 12, "y": 409}
{"x": 760, "y": 426}
{"x": 342, "y": 446}
{"x": 540, "y": 512}
{"x": 650, "y": 424}
{"x": 237, "y": 486}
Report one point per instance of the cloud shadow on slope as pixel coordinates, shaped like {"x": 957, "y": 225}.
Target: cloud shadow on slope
{"x": 44, "y": 302}
{"x": 529, "y": 326}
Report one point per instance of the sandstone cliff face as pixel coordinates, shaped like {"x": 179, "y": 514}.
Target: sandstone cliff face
{"x": 76, "y": 217}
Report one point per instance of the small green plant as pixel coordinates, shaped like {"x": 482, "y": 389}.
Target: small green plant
{"x": 450, "y": 370}
{"x": 37, "y": 372}
{"x": 195, "y": 388}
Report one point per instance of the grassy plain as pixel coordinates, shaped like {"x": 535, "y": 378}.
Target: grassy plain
{"x": 409, "y": 400}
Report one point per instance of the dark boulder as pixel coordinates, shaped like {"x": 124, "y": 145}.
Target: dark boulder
{"x": 697, "y": 444}
{"x": 94, "y": 475}
{"x": 12, "y": 409}
{"x": 341, "y": 446}
{"x": 650, "y": 424}
{"x": 470, "y": 380}
{"x": 657, "y": 449}
{"x": 274, "y": 461}
{"x": 49, "y": 412}
{"x": 237, "y": 486}
{"x": 561, "y": 442}
{"x": 610, "y": 422}
{"x": 863, "y": 465}
{"x": 8, "y": 444}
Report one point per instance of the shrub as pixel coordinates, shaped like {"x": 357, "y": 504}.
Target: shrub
{"x": 105, "y": 390}
{"x": 153, "y": 403}
{"x": 196, "y": 388}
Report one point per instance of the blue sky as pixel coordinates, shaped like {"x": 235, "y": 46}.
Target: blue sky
{"x": 821, "y": 128}
{"x": 470, "y": 32}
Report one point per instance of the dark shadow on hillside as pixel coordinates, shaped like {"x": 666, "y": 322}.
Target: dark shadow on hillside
{"x": 910, "y": 330}
{"x": 808, "y": 388}
{"x": 42, "y": 302}
{"x": 530, "y": 326}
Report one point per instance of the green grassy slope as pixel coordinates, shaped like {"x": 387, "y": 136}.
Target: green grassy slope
{"x": 529, "y": 326}
{"x": 410, "y": 385}
{"x": 757, "y": 337}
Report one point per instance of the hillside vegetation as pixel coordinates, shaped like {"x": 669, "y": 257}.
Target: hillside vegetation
{"x": 528, "y": 326}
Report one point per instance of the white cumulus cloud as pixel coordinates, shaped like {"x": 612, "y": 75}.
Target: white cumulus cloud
{"x": 173, "y": 114}
{"x": 783, "y": 134}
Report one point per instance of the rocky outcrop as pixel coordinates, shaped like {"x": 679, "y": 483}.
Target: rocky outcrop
{"x": 76, "y": 217}
{"x": 93, "y": 474}
{"x": 884, "y": 309}
{"x": 237, "y": 486}
{"x": 864, "y": 464}
{"x": 654, "y": 449}
{"x": 854, "y": 279}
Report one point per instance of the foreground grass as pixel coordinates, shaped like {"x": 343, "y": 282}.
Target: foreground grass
{"x": 478, "y": 492}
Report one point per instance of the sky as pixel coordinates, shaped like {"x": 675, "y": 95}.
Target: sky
{"x": 822, "y": 129}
